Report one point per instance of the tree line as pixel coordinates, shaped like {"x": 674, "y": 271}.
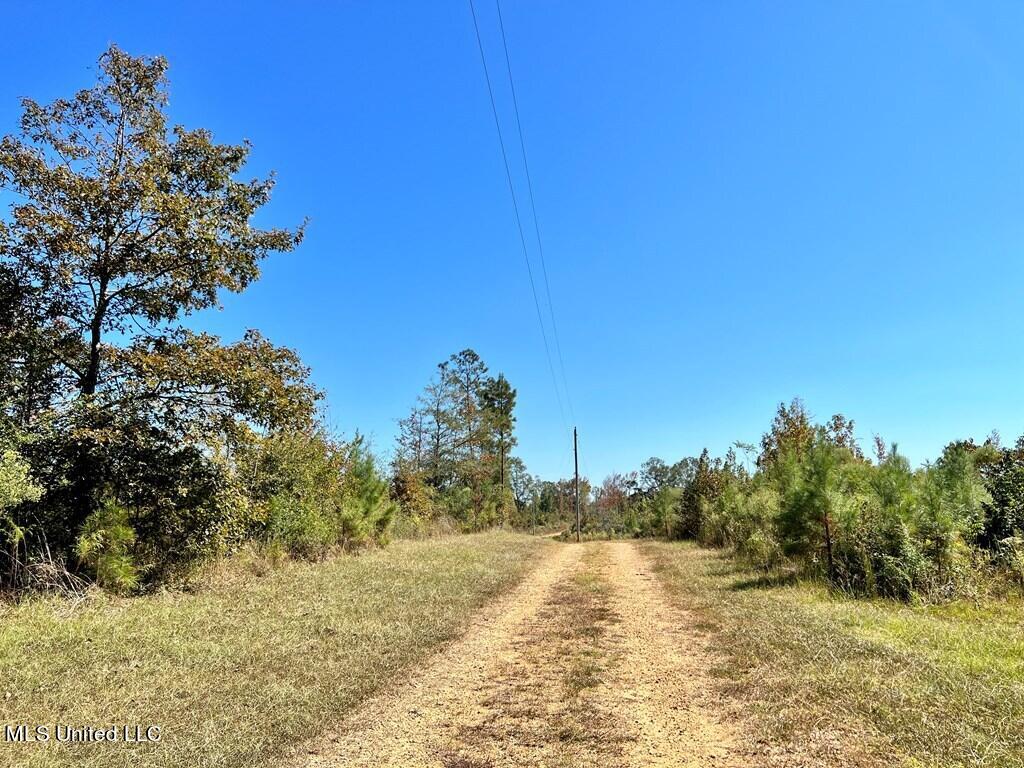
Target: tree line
{"x": 809, "y": 500}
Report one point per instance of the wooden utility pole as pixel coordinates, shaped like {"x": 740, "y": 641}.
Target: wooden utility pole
{"x": 576, "y": 461}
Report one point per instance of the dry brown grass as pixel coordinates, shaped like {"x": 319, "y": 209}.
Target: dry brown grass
{"x": 859, "y": 682}
{"x": 249, "y": 665}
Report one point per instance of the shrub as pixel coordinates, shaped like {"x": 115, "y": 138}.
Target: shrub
{"x": 1010, "y": 555}
{"x": 869, "y": 528}
{"x": 105, "y": 546}
{"x": 367, "y": 508}
{"x": 416, "y": 498}
{"x": 201, "y": 516}
{"x": 874, "y": 553}
{"x": 664, "y": 511}
{"x": 300, "y": 523}
{"x": 950, "y": 511}
{"x": 181, "y": 499}
{"x": 699, "y": 493}
{"x": 456, "y": 502}
{"x": 311, "y": 493}
{"x": 1004, "y": 512}
{"x": 761, "y": 550}
{"x": 809, "y": 497}
{"x": 720, "y": 515}
{"x": 16, "y": 487}
{"x": 754, "y": 528}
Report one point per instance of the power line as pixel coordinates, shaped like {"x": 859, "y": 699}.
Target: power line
{"x": 519, "y": 220}
{"x": 533, "y": 210}
{"x": 536, "y": 223}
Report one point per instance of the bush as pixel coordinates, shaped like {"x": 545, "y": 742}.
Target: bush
{"x": 367, "y": 509}
{"x": 810, "y": 495}
{"x": 1004, "y": 512}
{"x": 720, "y": 516}
{"x": 761, "y": 550}
{"x": 870, "y": 528}
{"x": 201, "y": 516}
{"x": 406, "y": 527}
{"x": 182, "y": 500}
{"x": 875, "y": 555}
{"x": 105, "y": 546}
{"x": 665, "y": 511}
{"x": 16, "y": 485}
{"x": 949, "y": 515}
{"x": 16, "y": 488}
{"x": 311, "y": 493}
{"x": 1010, "y": 554}
{"x": 300, "y": 524}
{"x": 701, "y": 491}
{"x": 415, "y": 497}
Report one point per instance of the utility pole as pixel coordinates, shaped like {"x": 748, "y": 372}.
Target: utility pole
{"x": 576, "y": 461}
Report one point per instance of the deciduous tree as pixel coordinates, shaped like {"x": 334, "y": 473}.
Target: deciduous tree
{"x": 121, "y": 226}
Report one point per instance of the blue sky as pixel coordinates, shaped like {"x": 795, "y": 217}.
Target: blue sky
{"x": 741, "y": 202}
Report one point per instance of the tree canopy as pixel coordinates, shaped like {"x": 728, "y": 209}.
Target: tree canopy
{"x": 121, "y": 225}
{"x": 453, "y": 448}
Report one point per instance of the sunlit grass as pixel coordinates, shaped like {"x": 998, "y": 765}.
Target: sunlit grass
{"x": 248, "y": 666}
{"x": 890, "y": 683}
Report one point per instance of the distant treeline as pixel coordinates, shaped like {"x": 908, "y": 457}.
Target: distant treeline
{"x": 453, "y": 468}
{"x": 809, "y": 498}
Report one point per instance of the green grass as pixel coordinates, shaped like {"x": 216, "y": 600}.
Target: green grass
{"x": 882, "y": 682}
{"x": 250, "y": 665}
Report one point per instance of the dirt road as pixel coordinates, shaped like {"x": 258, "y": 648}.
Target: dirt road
{"x": 585, "y": 663}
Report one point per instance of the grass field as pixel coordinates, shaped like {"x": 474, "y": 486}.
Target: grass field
{"x": 248, "y": 666}
{"x": 877, "y": 682}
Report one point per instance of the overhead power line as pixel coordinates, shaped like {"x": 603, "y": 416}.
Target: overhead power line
{"x": 536, "y": 221}
{"x": 533, "y": 211}
{"x": 519, "y": 220}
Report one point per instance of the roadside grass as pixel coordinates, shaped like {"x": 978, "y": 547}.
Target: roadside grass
{"x": 251, "y": 665}
{"x": 877, "y": 682}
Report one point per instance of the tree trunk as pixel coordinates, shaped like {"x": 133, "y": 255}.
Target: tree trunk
{"x": 92, "y": 372}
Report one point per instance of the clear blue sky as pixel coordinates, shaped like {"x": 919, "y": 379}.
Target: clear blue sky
{"x": 741, "y": 202}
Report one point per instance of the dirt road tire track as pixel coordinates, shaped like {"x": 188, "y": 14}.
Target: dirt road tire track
{"x": 585, "y": 663}
{"x": 662, "y": 676}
